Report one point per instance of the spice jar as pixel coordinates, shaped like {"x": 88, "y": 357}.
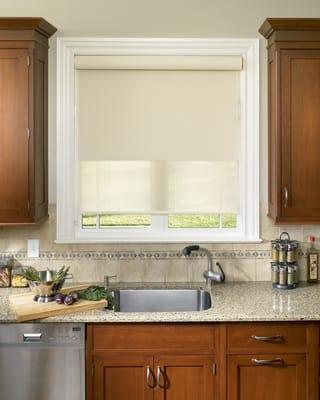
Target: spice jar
{"x": 291, "y": 280}
{"x": 292, "y": 252}
{"x": 283, "y": 275}
{"x": 275, "y": 250}
{"x": 295, "y": 274}
{"x": 282, "y": 253}
{"x": 274, "y": 272}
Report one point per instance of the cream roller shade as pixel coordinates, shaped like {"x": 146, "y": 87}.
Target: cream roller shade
{"x": 115, "y": 186}
{"x": 203, "y": 187}
{"x": 161, "y": 139}
{"x": 158, "y": 115}
{"x": 159, "y": 186}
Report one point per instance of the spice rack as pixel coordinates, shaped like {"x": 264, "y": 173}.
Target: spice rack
{"x": 284, "y": 267}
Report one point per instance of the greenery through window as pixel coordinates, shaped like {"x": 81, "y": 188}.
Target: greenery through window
{"x": 94, "y": 221}
{"x": 115, "y": 220}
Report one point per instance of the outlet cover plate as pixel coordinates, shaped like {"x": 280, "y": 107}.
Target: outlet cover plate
{"x": 33, "y": 248}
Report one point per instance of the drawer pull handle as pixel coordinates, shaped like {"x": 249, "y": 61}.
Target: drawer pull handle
{"x": 272, "y": 361}
{"x": 159, "y": 373}
{"x": 275, "y": 338}
{"x": 149, "y": 373}
{"x": 286, "y": 197}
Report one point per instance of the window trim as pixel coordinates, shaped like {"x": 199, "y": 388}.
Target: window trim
{"x": 67, "y": 214}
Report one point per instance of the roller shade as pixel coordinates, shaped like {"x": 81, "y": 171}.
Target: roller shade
{"x": 159, "y": 187}
{"x": 158, "y": 134}
{"x": 115, "y": 186}
{"x": 158, "y": 115}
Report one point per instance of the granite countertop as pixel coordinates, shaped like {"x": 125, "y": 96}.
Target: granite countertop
{"x": 241, "y": 301}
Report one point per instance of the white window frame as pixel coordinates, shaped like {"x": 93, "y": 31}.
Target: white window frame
{"x": 68, "y": 222}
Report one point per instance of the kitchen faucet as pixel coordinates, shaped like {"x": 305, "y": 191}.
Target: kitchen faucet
{"x": 208, "y": 274}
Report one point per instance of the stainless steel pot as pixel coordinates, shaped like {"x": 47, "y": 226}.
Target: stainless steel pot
{"x": 46, "y": 289}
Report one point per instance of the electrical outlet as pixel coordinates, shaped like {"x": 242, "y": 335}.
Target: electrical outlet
{"x": 33, "y": 248}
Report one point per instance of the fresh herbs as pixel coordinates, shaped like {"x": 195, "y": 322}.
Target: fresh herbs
{"x": 31, "y": 274}
{"x": 61, "y": 274}
{"x": 95, "y": 293}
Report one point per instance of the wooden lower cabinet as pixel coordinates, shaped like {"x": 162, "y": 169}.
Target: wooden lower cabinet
{"x": 271, "y": 380}
{"x": 139, "y": 377}
{"x": 122, "y": 377}
{"x": 184, "y": 377}
{"x": 231, "y": 361}
{"x": 151, "y": 361}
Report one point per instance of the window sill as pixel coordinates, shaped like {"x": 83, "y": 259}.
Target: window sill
{"x": 158, "y": 240}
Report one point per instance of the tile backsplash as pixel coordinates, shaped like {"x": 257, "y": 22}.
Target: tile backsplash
{"x": 151, "y": 262}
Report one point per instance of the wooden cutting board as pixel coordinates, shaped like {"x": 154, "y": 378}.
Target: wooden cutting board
{"x": 26, "y": 309}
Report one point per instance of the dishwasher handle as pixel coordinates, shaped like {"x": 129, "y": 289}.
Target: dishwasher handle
{"x": 32, "y": 337}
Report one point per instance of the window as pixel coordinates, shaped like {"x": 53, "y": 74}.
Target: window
{"x": 160, "y": 142}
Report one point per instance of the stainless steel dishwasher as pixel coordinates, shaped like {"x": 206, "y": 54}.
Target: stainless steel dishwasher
{"x": 42, "y": 361}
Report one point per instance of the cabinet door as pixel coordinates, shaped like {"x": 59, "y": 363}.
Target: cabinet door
{"x": 184, "y": 378}
{"x": 14, "y": 142}
{"x": 248, "y": 380}
{"x": 300, "y": 135}
{"x": 123, "y": 377}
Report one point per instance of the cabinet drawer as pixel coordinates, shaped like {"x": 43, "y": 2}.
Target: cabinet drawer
{"x": 152, "y": 336}
{"x": 264, "y": 336}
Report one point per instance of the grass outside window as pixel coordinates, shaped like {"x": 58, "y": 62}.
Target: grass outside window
{"x": 93, "y": 221}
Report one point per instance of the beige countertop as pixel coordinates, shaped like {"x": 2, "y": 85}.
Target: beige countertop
{"x": 241, "y": 301}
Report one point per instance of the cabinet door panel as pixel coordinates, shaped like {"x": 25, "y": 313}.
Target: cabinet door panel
{"x": 184, "y": 378}
{"x": 300, "y": 133}
{"x": 14, "y": 168}
{"x": 122, "y": 378}
{"x": 249, "y": 381}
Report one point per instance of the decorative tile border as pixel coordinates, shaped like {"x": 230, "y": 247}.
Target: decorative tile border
{"x": 138, "y": 255}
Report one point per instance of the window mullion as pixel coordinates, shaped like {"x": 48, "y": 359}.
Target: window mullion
{"x": 158, "y": 222}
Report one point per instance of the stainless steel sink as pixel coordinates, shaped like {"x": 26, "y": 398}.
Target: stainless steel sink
{"x": 157, "y": 300}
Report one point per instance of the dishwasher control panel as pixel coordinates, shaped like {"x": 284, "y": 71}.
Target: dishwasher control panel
{"x": 57, "y": 334}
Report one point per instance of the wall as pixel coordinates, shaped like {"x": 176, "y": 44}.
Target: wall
{"x": 151, "y": 18}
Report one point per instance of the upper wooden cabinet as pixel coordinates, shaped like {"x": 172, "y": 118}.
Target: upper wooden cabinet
{"x": 294, "y": 118}
{"x": 24, "y": 120}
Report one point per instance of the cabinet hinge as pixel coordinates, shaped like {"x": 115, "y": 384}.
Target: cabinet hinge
{"x": 28, "y": 61}
{"x": 93, "y": 370}
{"x": 214, "y": 369}
{"x": 28, "y": 132}
{"x": 28, "y": 204}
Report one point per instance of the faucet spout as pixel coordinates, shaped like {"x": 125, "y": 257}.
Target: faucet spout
{"x": 209, "y": 274}
{"x": 189, "y": 249}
